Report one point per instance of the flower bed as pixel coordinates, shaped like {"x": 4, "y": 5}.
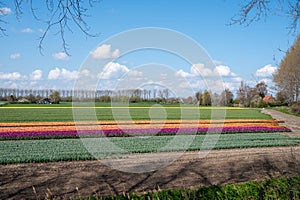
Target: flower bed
{"x": 111, "y": 128}
{"x": 35, "y": 124}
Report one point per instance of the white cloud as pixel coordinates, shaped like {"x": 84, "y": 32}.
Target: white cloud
{"x": 60, "y": 56}
{"x": 105, "y": 52}
{"x": 36, "y": 75}
{"x": 217, "y": 62}
{"x": 200, "y": 70}
{"x": 54, "y": 74}
{"x": 223, "y": 70}
{"x": 266, "y": 71}
{"x": 27, "y": 30}
{"x": 201, "y": 77}
{"x": 183, "y": 74}
{"x": 70, "y": 75}
{"x": 10, "y": 76}
{"x": 85, "y": 72}
{"x": 236, "y": 79}
{"x": 15, "y": 56}
{"x": 163, "y": 76}
{"x": 33, "y": 83}
{"x": 5, "y": 11}
{"x": 63, "y": 74}
{"x": 135, "y": 73}
{"x": 113, "y": 70}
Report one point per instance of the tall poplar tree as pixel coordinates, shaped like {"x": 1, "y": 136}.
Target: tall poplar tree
{"x": 287, "y": 77}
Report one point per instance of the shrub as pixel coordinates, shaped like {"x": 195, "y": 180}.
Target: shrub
{"x": 262, "y": 104}
{"x": 295, "y": 108}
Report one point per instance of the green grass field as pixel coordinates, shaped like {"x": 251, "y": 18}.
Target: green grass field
{"x": 104, "y": 111}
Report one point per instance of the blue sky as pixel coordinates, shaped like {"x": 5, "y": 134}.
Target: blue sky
{"x": 240, "y": 53}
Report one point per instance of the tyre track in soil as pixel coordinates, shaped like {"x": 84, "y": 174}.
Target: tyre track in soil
{"x": 87, "y": 178}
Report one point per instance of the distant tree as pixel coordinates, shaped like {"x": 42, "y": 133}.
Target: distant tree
{"x": 261, "y": 89}
{"x": 206, "y": 98}
{"x": 104, "y": 99}
{"x": 199, "y": 98}
{"x": 154, "y": 93}
{"x": 189, "y": 100}
{"x": 226, "y": 98}
{"x": 282, "y": 97}
{"x": 55, "y": 97}
{"x": 242, "y": 94}
{"x": 248, "y": 96}
{"x": 166, "y": 93}
{"x": 11, "y": 99}
{"x": 215, "y": 99}
{"x": 38, "y": 98}
{"x": 31, "y": 98}
{"x": 255, "y": 100}
{"x": 287, "y": 77}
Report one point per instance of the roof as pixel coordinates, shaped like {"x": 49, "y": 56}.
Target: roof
{"x": 269, "y": 98}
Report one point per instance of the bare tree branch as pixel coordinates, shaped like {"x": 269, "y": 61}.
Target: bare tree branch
{"x": 252, "y": 11}
{"x": 255, "y": 10}
{"x": 294, "y": 13}
{"x": 18, "y": 8}
{"x": 64, "y": 16}
{"x": 65, "y": 13}
{"x": 2, "y": 14}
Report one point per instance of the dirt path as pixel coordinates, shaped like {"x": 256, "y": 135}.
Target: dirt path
{"x": 87, "y": 178}
{"x": 292, "y": 122}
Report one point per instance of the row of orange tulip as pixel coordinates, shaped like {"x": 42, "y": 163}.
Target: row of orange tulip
{"x": 35, "y": 124}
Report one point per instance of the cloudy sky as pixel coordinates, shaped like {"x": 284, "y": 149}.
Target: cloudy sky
{"x": 237, "y": 52}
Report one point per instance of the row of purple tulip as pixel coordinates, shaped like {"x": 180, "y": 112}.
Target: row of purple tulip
{"x": 127, "y": 132}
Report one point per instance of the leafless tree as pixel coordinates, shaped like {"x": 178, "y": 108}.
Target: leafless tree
{"x": 226, "y": 98}
{"x": 63, "y": 15}
{"x": 287, "y": 77}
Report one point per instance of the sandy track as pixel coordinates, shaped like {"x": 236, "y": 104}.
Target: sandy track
{"x": 95, "y": 178}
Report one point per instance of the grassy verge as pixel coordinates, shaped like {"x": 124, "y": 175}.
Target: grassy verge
{"x": 22, "y": 151}
{"x": 276, "y": 188}
{"x": 3, "y": 103}
{"x": 285, "y": 109}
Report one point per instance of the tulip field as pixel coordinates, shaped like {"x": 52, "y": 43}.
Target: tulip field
{"x": 48, "y": 134}
{"x": 45, "y": 130}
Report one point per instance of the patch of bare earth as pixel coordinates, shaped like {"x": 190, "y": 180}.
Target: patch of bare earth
{"x": 88, "y": 178}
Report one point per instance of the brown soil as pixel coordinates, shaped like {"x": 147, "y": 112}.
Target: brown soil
{"x": 88, "y": 178}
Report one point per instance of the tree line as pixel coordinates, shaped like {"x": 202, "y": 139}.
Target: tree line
{"x": 246, "y": 96}
{"x": 129, "y": 95}
{"x": 134, "y": 95}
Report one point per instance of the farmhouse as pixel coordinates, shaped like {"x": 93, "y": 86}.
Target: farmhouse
{"x": 23, "y": 100}
{"x": 45, "y": 101}
{"x": 269, "y": 99}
